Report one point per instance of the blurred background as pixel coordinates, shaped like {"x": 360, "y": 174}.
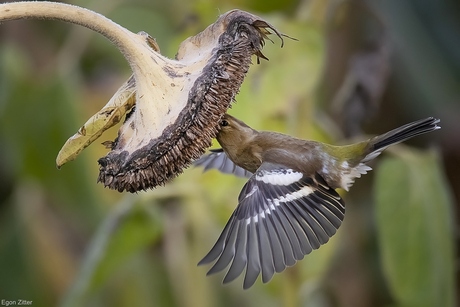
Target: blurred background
{"x": 359, "y": 67}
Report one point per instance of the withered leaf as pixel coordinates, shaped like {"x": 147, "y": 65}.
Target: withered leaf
{"x": 121, "y": 103}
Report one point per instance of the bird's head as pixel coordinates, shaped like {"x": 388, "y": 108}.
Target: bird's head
{"x": 233, "y": 132}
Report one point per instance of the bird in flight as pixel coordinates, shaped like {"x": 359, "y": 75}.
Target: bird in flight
{"x": 289, "y": 206}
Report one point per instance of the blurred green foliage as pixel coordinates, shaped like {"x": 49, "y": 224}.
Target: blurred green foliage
{"x": 65, "y": 240}
{"x": 418, "y": 261}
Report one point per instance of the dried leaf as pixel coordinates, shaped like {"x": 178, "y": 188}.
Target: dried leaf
{"x": 111, "y": 114}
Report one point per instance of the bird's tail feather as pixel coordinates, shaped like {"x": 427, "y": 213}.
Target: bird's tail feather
{"x": 398, "y": 135}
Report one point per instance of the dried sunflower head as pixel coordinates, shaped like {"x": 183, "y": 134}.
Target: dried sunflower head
{"x": 178, "y": 103}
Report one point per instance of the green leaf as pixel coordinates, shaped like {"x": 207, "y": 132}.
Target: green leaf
{"x": 414, "y": 221}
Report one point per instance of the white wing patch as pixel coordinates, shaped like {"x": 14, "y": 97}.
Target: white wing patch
{"x": 273, "y": 203}
{"x": 279, "y": 177}
{"x": 304, "y": 191}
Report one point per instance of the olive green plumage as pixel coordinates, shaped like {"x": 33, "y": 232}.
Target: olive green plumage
{"x": 289, "y": 206}
{"x": 338, "y": 165}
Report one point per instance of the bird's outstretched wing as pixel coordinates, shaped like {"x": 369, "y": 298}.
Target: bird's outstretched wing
{"x": 282, "y": 215}
{"x": 219, "y": 160}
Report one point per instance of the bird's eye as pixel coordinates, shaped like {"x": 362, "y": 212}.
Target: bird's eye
{"x": 224, "y": 123}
